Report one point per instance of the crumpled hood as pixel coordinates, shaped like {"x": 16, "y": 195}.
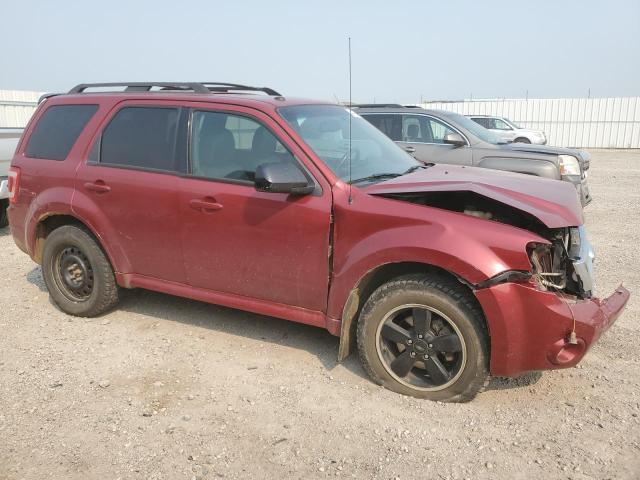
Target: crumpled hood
{"x": 555, "y": 203}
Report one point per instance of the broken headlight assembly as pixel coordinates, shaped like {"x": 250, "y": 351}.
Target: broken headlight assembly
{"x": 565, "y": 265}
{"x": 547, "y": 271}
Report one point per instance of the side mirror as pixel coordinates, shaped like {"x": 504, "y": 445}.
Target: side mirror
{"x": 282, "y": 178}
{"x": 454, "y": 139}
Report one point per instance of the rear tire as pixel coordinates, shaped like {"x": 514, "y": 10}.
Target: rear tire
{"x": 425, "y": 336}
{"x": 522, "y": 140}
{"x": 77, "y": 273}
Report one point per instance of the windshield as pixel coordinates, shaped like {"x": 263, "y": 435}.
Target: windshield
{"x": 475, "y": 128}
{"x": 325, "y": 128}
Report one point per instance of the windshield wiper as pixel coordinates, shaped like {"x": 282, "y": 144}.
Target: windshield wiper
{"x": 376, "y": 176}
{"x": 416, "y": 167}
{"x": 381, "y": 176}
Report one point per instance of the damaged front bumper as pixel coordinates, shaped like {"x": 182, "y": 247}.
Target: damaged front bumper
{"x": 531, "y": 329}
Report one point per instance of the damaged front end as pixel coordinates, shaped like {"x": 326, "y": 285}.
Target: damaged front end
{"x": 542, "y": 313}
{"x": 564, "y": 265}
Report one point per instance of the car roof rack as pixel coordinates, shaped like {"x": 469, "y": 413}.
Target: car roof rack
{"x": 234, "y": 87}
{"x": 196, "y": 87}
{"x": 377, "y": 105}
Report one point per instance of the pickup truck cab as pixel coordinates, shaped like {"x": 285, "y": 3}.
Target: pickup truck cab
{"x": 234, "y": 195}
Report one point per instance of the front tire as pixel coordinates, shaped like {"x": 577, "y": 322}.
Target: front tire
{"x": 77, "y": 273}
{"x": 424, "y": 336}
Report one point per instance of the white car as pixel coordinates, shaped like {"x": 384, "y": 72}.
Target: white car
{"x": 509, "y": 131}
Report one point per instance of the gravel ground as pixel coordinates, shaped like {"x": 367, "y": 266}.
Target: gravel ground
{"x": 170, "y": 388}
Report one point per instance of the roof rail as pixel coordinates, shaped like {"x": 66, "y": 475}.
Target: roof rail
{"x": 197, "y": 87}
{"x": 226, "y": 87}
{"x": 377, "y": 105}
{"x": 144, "y": 86}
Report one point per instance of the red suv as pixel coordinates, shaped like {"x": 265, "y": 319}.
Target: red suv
{"x": 302, "y": 210}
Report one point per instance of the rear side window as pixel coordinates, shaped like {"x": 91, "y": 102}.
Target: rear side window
{"x": 141, "y": 137}
{"x": 57, "y": 131}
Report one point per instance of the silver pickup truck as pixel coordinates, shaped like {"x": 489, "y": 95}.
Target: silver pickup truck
{"x": 9, "y": 138}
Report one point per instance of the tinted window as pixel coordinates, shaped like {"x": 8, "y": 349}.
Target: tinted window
{"x": 141, "y": 137}
{"x": 485, "y": 122}
{"x": 226, "y": 146}
{"x": 390, "y": 125}
{"x": 57, "y": 131}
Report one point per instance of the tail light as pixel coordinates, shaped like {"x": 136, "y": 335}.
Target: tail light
{"x": 14, "y": 184}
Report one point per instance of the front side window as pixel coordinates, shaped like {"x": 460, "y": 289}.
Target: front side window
{"x": 369, "y": 154}
{"x": 501, "y": 125}
{"x": 141, "y": 137}
{"x": 423, "y": 129}
{"x": 228, "y": 146}
{"x": 57, "y": 131}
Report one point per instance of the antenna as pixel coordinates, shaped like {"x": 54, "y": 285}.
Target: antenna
{"x": 350, "y": 115}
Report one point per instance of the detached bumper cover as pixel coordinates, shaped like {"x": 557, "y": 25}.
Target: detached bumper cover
{"x": 530, "y": 329}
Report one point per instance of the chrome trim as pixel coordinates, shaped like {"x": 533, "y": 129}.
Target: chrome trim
{"x": 583, "y": 265}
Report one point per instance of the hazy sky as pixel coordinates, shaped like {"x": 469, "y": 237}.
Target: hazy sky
{"x": 402, "y": 51}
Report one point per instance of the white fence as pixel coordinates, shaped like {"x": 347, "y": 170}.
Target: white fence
{"x": 16, "y": 107}
{"x": 568, "y": 122}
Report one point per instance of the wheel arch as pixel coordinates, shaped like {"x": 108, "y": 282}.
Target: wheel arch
{"x": 50, "y": 222}
{"x": 378, "y": 276}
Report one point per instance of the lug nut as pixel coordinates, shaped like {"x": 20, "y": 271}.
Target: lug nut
{"x": 413, "y": 354}
{"x": 431, "y": 345}
{"x": 426, "y": 357}
{"x": 409, "y": 342}
{"x": 419, "y": 336}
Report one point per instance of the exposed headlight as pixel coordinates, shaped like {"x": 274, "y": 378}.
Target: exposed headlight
{"x": 569, "y": 165}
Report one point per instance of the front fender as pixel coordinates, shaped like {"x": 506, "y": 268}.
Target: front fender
{"x": 471, "y": 248}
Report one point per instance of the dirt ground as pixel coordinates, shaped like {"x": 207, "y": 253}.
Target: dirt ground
{"x": 170, "y": 388}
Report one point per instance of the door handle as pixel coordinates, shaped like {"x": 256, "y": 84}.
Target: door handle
{"x": 206, "y": 205}
{"x": 410, "y": 149}
{"x": 98, "y": 186}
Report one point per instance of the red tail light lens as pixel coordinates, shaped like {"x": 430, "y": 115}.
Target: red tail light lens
{"x": 14, "y": 184}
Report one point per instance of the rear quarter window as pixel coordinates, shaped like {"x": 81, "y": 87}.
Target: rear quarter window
{"x": 57, "y": 131}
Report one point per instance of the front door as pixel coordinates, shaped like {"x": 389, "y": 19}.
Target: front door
{"x": 423, "y": 137}
{"x": 269, "y": 246}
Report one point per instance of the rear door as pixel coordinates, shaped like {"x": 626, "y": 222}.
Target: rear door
{"x": 236, "y": 240}
{"x": 423, "y": 137}
{"x": 128, "y": 187}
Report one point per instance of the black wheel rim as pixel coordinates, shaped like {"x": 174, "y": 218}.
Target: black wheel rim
{"x": 73, "y": 274}
{"x": 421, "y": 347}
